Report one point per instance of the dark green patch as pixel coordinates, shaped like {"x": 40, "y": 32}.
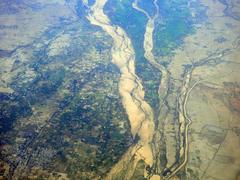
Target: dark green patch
{"x": 139, "y": 171}
{"x": 92, "y": 132}
{"x": 12, "y": 107}
{"x": 175, "y": 24}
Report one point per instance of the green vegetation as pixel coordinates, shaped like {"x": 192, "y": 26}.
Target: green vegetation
{"x": 43, "y": 86}
{"x": 92, "y": 132}
{"x": 139, "y": 171}
{"x": 85, "y": 129}
{"x": 12, "y": 107}
{"x": 175, "y": 24}
{"x": 134, "y": 22}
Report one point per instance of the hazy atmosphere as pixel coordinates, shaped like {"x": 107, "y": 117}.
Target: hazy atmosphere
{"x": 120, "y": 89}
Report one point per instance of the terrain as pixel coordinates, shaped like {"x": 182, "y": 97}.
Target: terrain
{"x": 120, "y": 89}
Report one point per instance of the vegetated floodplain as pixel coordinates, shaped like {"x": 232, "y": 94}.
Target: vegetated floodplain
{"x": 95, "y": 117}
{"x": 176, "y": 23}
{"x": 122, "y": 13}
